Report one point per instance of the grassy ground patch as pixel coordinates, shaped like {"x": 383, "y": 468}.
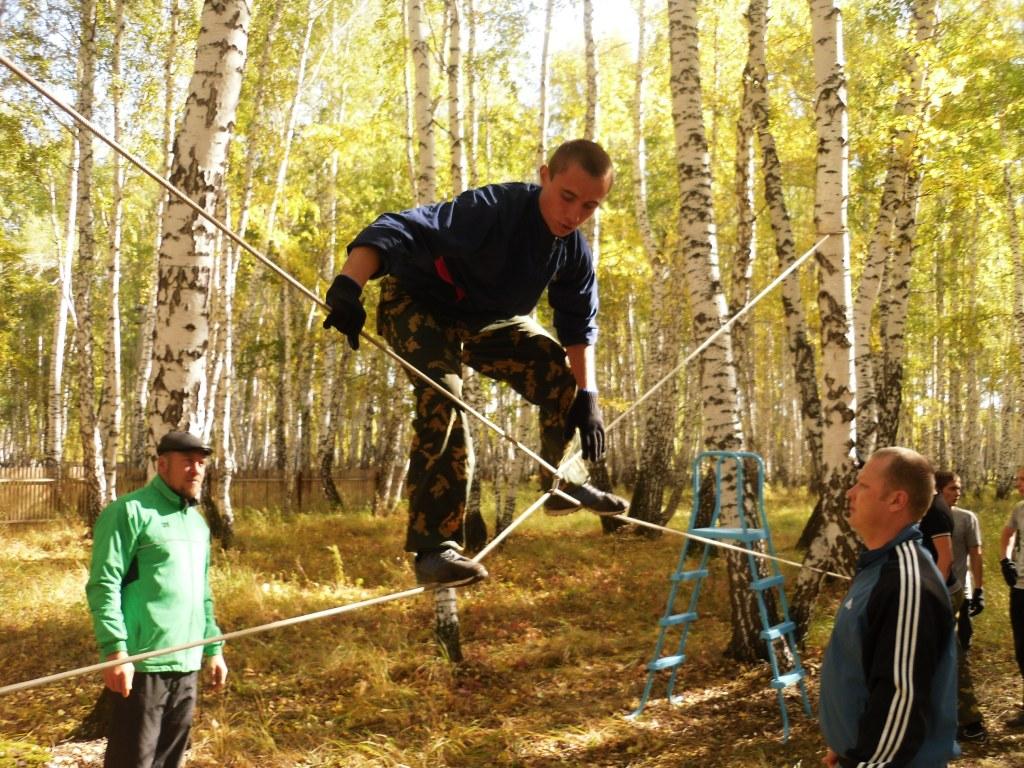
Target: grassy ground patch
{"x": 555, "y": 644}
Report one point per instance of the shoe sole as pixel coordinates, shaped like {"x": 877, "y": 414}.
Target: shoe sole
{"x": 451, "y": 584}
{"x": 571, "y": 510}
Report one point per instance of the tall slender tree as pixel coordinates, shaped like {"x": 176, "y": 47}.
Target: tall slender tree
{"x": 833, "y": 544}
{"x": 178, "y": 388}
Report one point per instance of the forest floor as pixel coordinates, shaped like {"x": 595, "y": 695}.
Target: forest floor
{"x": 555, "y": 642}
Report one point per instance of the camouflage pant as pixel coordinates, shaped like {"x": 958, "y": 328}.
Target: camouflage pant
{"x": 967, "y": 712}
{"x": 517, "y": 351}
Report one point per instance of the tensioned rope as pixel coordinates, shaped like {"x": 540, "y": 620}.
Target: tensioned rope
{"x": 556, "y": 471}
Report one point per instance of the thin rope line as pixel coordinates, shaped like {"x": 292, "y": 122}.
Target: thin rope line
{"x": 724, "y": 545}
{"x": 219, "y": 638}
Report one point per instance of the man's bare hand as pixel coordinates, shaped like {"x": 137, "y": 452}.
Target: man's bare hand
{"x": 218, "y": 671}
{"x": 119, "y": 678}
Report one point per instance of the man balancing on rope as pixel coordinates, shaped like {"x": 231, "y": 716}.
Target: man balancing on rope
{"x": 459, "y": 281}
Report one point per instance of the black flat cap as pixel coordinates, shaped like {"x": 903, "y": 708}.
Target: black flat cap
{"x": 185, "y": 442}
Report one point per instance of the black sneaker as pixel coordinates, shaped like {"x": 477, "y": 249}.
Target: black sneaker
{"x": 445, "y": 567}
{"x": 972, "y": 732}
{"x": 588, "y": 496}
{"x": 1017, "y": 721}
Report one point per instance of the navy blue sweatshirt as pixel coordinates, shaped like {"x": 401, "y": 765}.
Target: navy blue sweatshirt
{"x": 888, "y": 680}
{"x": 488, "y": 255}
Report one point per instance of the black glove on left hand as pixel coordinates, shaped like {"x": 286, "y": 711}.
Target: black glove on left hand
{"x": 347, "y": 313}
{"x": 1009, "y": 571}
{"x": 977, "y": 602}
{"x": 585, "y": 414}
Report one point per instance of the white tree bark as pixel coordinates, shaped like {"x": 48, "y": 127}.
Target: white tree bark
{"x": 111, "y": 408}
{"x": 697, "y": 238}
{"x": 423, "y": 110}
{"x": 471, "y": 109}
{"x": 55, "y": 411}
{"x": 457, "y": 165}
{"x": 92, "y": 450}
{"x": 833, "y": 544}
{"x": 542, "y": 112}
{"x": 798, "y": 339}
{"x": 141, "y": 406}
{"x": 592, "y": 228}
{"x": 178, "y": 391}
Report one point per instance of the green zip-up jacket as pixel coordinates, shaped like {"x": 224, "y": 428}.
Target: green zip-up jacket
{"x": 148, "y": 586}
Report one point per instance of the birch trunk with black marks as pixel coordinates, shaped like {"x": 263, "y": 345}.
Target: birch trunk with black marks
{"x": 798, "y": 340}
{"x": 542, "y": 90}
{"x": 88, "y": 427}
{"x": 697, "y": 238}
{"x": 56, "y": 414}
{"x": 139, "y": 415}
{"x": 181, "y": 348}
{"x": 833, "y": 546}
{"x": 423, "y": 110}
{"x": 663, "y": 342}
{"x": 457, "y": 163}
{"x": 111, "y": 408}
{"x": 746, "y": 253}
{"x": 592, "y": 227}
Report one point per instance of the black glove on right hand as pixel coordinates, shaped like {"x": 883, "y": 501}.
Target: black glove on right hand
{"x": 585, "y": 414}
{"x": 977, "y": 602}
{"x": 1009, "y": 571}
{"x": 347, "y": 313}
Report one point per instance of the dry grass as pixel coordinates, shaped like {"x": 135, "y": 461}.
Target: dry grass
{"x": 555, "y": 647}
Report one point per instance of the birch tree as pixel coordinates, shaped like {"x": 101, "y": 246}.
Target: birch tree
{"x": 88, "y": 428}
{"x": 663, "y": 338}
{"x": 55, "y": 410}
{"x": 111, "y": 408}
{"x": 457, "y": 163}
{"x": 423, "y": 111}
{"x": 833, "y": 545}
{"x": 542, "y": 90}
{"x": 896, "y": 193}
{"x": 178, "y": 390}
{"x": 140, "y": 412}
{"x": 798, "y": 338}
{"x": 697, "y": 238}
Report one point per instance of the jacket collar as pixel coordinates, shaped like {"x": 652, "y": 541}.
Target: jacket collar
{"x": 869, "y": 556}
{"x": 173, "y": 497}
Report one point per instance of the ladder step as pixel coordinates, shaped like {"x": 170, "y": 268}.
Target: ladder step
{"x": 768, "y": 582}
{"x": 779, "y": 630}
{"x": 666, "y": 662}
{"x": 689, "y": 575}
{"x": 734, "y": 534}
{"x": 677, "y": 618}
{"x": 788, "y": 679}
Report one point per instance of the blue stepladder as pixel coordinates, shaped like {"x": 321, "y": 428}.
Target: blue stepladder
{"x": 778, "y": 637}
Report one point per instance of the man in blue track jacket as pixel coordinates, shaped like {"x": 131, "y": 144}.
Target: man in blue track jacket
{"x": 888, "y": 680}
{"x": 459, "y": 280}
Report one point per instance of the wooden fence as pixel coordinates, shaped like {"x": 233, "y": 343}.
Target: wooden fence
{"x": 30, "y": 495}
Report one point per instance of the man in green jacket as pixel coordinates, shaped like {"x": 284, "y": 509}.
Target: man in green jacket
{"x": 148, "y": 589}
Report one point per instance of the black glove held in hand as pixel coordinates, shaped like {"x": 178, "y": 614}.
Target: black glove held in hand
{"x": 585, "y": 414}
{"x": 1009, "y": 572}
{"x": 347, "y": 313}
{"x": 977, "y": 602}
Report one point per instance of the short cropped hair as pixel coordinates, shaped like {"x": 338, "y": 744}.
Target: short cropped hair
{"x": 909, "y": 471}
{"x": 943, "y": 478}
{"x": 588, "y": 155}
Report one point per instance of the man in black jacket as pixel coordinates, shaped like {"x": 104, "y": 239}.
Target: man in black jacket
{"x": 888, "y": 679}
